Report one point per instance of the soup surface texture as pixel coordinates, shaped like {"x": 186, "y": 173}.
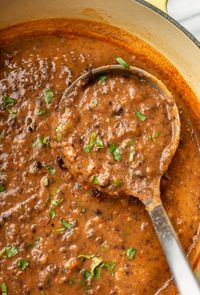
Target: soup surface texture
{"x": 107, "y": 131}
{"x": 58, "y": 236}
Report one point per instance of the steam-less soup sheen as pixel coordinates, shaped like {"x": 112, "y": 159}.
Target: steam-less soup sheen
{"x": 58, "y": 235}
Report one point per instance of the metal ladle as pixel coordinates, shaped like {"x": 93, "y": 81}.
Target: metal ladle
{"x": 185, "y": 279}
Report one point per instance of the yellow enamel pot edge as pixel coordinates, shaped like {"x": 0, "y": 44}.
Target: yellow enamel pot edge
{"x": 160, "y": 4}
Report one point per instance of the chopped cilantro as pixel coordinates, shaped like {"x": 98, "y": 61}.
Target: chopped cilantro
{"x": 131, "y": 155}
{"x": 8, "y": 101}
{"x": 52, "y": 213}
{"x": 116, "y": 152}
{"x": 92, "y": 141}
{"x": 59, "y": 132}
{"x": 40, "y": 112}
{"x": 50, "y": 169}
{"x": 12, "y": 112}
{"x": 112, "y": 148}
{"x": 102, "y": 78}
{"x": 4, "y": 289}
{"x": 41, "y": 142}
{"x": 57, "y": 202}
{"x": 110, "y": 266}
{"x": 95, "y": 267}
{"x": 122, "y": 62}
{"x": 48, "y": 96}
{"x": 140, "y": 116}
{"x": 83, "y": 210}
{"x": 86, "y": 256}
{"x": 45, "y": 181}
{"x": 117, "y": 182}
{"x": 95, "y": 180}
{"x": 66, "y": 224}
{"x": 22, "y": 264}
{"x": 1, "y": 188}
{"x": 11, "y": 251}
{"x": 86, "y": 274}
{"x": 99, "y": 143}
{"x": 94, "y": 102}
{"x": 154, "y": 136}
{"x": 130, "y": 253}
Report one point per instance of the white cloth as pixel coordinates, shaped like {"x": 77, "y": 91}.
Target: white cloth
{"x": 187, "y": 12}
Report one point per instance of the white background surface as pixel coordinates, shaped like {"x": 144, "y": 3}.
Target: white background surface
{"x": 187, "y": 12}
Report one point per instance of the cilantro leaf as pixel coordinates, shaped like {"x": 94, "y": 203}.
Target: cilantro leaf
{"x": 52, "y": 213}
{"x": 154, "y": 136}
{"x": 11, "y": 251}
{"x": 48, "y": 96}
{"x": 4, "y": 290}
{"x": 95, "y": 180}
{"x": 22, "y": 264}
{"x": 140, "y": 116}
{"x": 1, "y": 188}
{"x": 122, "y": 62}
{"x": 8, "y": 101}
{"x": 117, "y": 182}
{"x": 66, "y": 224}
{"x": 130, "y": 253}
{"x": 86, "y": 256}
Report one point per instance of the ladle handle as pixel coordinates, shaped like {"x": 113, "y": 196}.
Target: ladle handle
{"x": 186, "y": 281}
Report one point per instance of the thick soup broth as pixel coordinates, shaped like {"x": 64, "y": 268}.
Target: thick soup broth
{"x": 58, "y": 236}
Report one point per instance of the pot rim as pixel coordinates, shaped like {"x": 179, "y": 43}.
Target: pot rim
{"x": 171, "y": 20}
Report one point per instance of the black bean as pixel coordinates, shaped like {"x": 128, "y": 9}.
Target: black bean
{"x": 30, "y": 129}
{"x": 97, "y": 211}
{"x": 118, "y": 111}
{"x": 60, "y": 162}
{"x": 96, "y": 193}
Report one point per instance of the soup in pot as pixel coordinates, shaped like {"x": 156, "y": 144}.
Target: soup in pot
{"x": 58, "y": 236}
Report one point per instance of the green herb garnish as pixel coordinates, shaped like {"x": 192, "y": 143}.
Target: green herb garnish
{"x": 1, "y": 188}
{"x": 40, "y": 112}
{"x": 48, "y": 96}
{"x": 66, "y": 224}
{"x": 140, "y": 116}
{"x": 11, "y": 251}
{"x": 116, "y": 152}
{"x": 45, "y": 181}
{"x": 94, "y": 102}
{"x": 59, "y": 132}
{"x": 95, "y": 180}
{"x": 50, "y": 169}
{"x": 22, "y": 264}
{"x": 92, "y": 141}
{"x": 4, "y": 290}
{"x": 8, "y": 101}
{"x": 12, "y": 112}
{"x": 102, "y": 78}
{"x": 130, "y": 253}
{"x": 122, "y": 62}
{"x": 83, "y": 210}
{"x": 86, "y": 256}
{"x": 110, "y": 266}
{"x": 52, "y": 213}
{"x": 154, "y": 136}
{"x": 86, "y": 274}
{"x": 41, "y": 142}
{"x": 99, "y": 143}
{"x": 57, "y": 202}
{"x": 95, "y": 271}
{"x": 112, "y": 148}
{"x": 117, "y": 182}
{"x": 131, "y": 155}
